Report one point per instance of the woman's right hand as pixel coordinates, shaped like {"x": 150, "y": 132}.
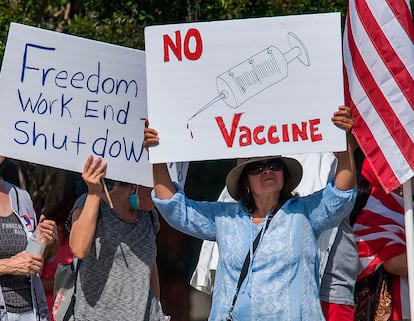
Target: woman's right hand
{"x": 24, "y": 263}
{"x": 163, "y": 186}
{"x": 84, "y": 219}
{"x": 150, "y": 136}
{"x": 93, "y": 173}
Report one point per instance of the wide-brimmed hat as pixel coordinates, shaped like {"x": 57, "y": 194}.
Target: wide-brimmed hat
{"x": 294, "y": 169}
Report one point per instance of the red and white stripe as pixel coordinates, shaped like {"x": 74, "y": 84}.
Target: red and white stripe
{"x": 379, "y": 85}
{"x": 380, "y": 235}
{"x": 379, "y": 232}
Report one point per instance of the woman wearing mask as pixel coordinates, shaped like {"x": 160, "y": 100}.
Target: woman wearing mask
{"x": 113, "y": 236}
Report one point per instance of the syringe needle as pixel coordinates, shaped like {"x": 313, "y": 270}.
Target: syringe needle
{"x": 213, "y": 101}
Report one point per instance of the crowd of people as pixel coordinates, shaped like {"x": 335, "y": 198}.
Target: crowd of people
{"x": 292, "y": 237}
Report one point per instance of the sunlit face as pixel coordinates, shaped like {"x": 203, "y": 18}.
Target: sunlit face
{"x": 265, "y": 177}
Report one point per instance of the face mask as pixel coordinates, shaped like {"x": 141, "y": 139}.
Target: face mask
{"x": 134, "y": 200}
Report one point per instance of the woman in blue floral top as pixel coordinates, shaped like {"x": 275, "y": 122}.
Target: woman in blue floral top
{"x": 281, "y": 282}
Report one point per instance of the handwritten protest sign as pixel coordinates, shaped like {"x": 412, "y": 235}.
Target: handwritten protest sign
{"x": 240, "y": 88}
{"x": 64, "y": 97}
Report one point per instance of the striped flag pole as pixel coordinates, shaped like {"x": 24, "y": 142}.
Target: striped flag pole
{"x": 409, "y": 232}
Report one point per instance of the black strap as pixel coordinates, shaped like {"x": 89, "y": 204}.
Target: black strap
{"x": 71, "y": 308}
{"x": 76, "y": 268}
{"x": 151, "y": 214}
{"x": 246, "y": 263}
{"x": 17, "y": 199}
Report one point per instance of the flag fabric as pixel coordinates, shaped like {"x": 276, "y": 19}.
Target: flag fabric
{"x": 379, "y": 232}
{"x": 378, "y": 50}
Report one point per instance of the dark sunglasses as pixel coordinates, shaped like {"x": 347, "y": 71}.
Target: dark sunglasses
{"x": 259, "y": 167}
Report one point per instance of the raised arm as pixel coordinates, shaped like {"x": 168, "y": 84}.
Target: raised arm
{"x": 163, "y": 185}
{"x": 345, "y": 178}
{"x": 84, "y": 220}
{"x": 397, "y": 265}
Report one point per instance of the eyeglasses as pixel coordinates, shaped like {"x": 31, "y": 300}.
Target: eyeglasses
{"x": 256, "y": 168}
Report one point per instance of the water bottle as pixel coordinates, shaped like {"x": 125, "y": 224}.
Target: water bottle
{"x": 36, "y": 244}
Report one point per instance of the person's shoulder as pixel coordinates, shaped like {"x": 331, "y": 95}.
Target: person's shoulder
{"x": 232, "y": 207}
{"x": 298, "y": 199}
{"x": 80, "y": 201}
{"x": 9, "y": 186}
{"x": 19, "y": 192}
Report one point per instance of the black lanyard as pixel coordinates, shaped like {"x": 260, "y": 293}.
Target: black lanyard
{"x": 17, "y": 199}
{"x": 246, "y": 263}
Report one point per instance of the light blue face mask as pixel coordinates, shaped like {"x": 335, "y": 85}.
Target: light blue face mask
{"x": 134, "y": 200}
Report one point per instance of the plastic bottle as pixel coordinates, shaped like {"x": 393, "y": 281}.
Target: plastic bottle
{"x": 36, "y": 244}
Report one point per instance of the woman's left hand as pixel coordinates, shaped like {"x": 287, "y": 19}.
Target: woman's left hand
{"x": 343, "y": 118}
{"x": 48, "y": 229}
{"x": 345, "y": 178}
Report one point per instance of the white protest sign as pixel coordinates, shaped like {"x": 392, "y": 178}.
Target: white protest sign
{"x": 178, "y": 172}
{"x": 64, "y": 97}
{"x": 241, "y": 88}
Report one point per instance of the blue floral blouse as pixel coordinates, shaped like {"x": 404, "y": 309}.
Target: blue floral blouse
{"x": 282, "y": 280}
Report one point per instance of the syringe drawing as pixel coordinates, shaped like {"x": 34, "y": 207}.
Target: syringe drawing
{"x": 250, "y": 77}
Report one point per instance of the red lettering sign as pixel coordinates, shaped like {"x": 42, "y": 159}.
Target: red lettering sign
{"x": 177, "y": 47}
{"x": 313, "y": 128}
{"x": 195, "y": 34}
{"x": 260, "y": 135}
{"x": 229, "y": 138}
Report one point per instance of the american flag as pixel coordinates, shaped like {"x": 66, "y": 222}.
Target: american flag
{"x": 379, "y": 232}
{"x": 379, "y": 85}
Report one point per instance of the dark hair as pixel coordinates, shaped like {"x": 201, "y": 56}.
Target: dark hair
{"x": 247, "y": 198}
{"x": 363, "y": 191}
{"x": 9, "y": 171}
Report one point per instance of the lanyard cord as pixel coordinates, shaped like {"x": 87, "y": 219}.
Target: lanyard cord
{"x": 246, "y": 263}
{"x": 17, "y": 200}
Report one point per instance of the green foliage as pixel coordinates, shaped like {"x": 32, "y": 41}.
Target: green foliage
{"x": 122, "y": 22}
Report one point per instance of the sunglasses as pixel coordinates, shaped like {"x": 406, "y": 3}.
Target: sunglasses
{"x": 256, "y": 168}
